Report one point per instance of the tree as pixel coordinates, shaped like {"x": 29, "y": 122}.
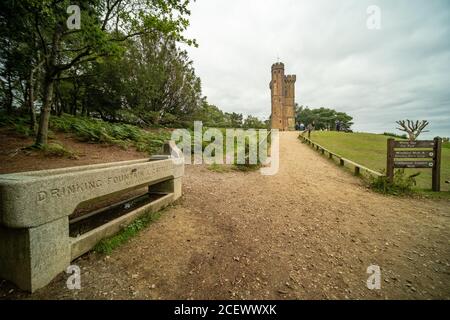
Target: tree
{"x": 210, "y": 115}
{"x": 235, "y": 120}
{"x": 252, "y": 122}
{"x": 413, "y": 129}
{"x": 152, "y": 84}
{"x": 323, "y": 118}
{"x": 105, "y": 26}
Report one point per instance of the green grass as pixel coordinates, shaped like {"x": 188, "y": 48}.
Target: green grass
{"x": 106, "y": 246}
{"x": 369, "y": 150}
{"x": 225, "y": 168}
{"x": 57, "y": 149}
{"x": 219, "y": 168}
{"x": 243, "y": 167}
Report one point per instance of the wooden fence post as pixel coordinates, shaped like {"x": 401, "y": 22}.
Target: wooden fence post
{"x": 436, "y": 179}
{"x": 390, "y": 160}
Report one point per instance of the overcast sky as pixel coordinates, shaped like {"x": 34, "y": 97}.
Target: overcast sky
{"x": 377, "y": 76}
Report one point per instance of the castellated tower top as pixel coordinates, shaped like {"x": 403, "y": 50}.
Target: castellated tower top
{"x": 282, "y": 88}
{"x": 278, "y": 66}
{"x": 291, "y": 78}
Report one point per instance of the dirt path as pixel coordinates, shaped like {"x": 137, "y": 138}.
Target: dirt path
{"x": 309, "y": 232}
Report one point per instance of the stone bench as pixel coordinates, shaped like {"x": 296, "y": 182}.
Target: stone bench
{"x": 35, "y": 207}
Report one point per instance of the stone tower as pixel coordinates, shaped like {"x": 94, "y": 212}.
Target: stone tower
{"x": 283, "y": 98}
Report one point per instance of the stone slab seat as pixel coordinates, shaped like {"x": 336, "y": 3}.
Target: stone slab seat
{"x": 35, "y": 207}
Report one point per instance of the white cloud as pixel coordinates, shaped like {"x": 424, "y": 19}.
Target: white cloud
{"x": 377, "y": 76}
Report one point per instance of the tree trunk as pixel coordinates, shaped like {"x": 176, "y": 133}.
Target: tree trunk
{"x": 41, "y": 138}
{"x": 74, "y": 107}
{"x": 58, "y": 103}
{"x": 83, "y": 108}
{"x": 10, "y": 96}
{"x": 75, "y": 92}
{"x": 49, "y": 79}
{"x": 31, "y": 101}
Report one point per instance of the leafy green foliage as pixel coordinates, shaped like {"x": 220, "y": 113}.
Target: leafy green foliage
{"x": 153, "y": 84}
{"x": 254, "y": 123}
{"x": 323, "y": 118}
{"x": 124, "y": 135}
{"x": 106, "y": 246}
{"x": 55, "y": 149}
{"x": 35, "y": 37}
{"x": 401, "y": 184}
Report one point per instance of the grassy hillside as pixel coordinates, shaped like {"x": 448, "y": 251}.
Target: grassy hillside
{"x": 370, "y": 150}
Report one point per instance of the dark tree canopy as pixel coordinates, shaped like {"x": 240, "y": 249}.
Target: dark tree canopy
{"x": 323, "y": 118}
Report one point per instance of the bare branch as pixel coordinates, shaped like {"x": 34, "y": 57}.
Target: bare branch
{"x": 414, "y": 129}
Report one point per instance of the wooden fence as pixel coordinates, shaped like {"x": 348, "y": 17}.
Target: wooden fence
{"x": 342, "y": 161}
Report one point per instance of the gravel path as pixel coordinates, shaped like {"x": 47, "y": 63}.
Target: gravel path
{"x": 309, "y": 232}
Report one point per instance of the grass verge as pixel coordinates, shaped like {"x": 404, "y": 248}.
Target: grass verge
{"x": 106, "y": 246}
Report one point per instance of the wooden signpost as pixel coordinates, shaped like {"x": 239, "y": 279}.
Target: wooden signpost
{"x": 430, "y": 158}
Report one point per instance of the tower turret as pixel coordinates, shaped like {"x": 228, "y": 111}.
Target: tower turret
{"x": 277, "y": 93}
{"x": 289, "y": 103}
{"x": 283, "y": 98}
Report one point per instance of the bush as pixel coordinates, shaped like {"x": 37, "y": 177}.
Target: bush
{"x": 23, "y": 129}
{"x": 57, "y": 150}
{"x": 98, "y": 131}
{"x": 402, "y": 183}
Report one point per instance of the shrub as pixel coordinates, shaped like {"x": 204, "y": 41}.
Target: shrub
{"x": 98, "y": 131}
{"x": 401, "y": 184}
{"x": 23, "y": 129}
{"x": 57, "y": 150}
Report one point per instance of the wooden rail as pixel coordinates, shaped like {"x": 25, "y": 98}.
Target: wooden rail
{"x": 342, "y": 161}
